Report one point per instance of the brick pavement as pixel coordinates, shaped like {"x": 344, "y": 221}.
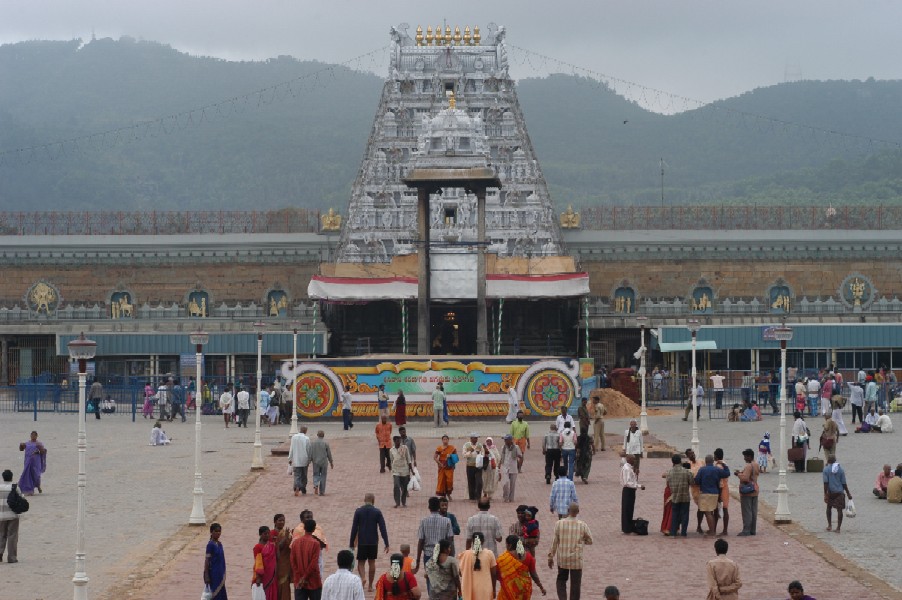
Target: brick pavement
{"x": 642, "y": 567}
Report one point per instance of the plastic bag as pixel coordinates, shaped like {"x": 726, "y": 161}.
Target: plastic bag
{"x": 479, "y": 460}
{"x": 414, "y": 484}
{"x": 207, "y": 594}
{"x": 850, "y": 509}
{"x": 257, "y": 592}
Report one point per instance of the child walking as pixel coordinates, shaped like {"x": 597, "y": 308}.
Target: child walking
{"x": 764, "y": 452}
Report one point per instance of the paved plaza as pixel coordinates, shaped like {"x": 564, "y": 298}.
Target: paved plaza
{"x": 139, "y": 499}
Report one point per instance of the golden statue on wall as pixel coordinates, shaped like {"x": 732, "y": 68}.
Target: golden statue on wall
{"x": 198, "y": 310}
{"x": 703, "y": 303}
{"x": 569, "y": 218}
{"x": 42, "y": 296}
{"x": 331, "y": 221}
{"x": 122, "y": 307}
{"x": 781, "y": 301}
{"x": 623, "y": 304}
{"x": 277, "y": 304}
{"x": 857, "y": 287}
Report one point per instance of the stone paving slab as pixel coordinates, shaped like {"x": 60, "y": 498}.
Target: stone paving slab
{"x": 139, "y": 545}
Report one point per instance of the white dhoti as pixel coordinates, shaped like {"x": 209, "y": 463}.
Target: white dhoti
{"x": 837, "y": 418}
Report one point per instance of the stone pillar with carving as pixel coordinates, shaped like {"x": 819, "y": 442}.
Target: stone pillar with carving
{"x": 482, "y": 342}
{"x": 424, "y": 341}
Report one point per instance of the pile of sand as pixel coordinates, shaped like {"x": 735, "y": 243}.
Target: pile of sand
{"x": 616, "y": 404}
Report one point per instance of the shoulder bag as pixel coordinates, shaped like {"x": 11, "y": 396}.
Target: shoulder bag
{"x": 16, "y": 502}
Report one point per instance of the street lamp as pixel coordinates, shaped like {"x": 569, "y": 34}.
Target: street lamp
{"x": 693, "y": 325}
{"x": 643, "y": 416}
{"x": 294, "y": 365}
{"x": 81, "y": 350}
{"x": 257, "y": 462}
{"x": 199, "y": 338}
{"x": 783, "y": 334}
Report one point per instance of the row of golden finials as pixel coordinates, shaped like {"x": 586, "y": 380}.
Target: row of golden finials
{"x": 457, "y": 38}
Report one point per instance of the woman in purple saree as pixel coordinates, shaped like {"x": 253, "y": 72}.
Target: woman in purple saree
{"x": 35, "y": 465}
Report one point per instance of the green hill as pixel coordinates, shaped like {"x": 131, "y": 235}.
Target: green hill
{"x": 301, "y": 143}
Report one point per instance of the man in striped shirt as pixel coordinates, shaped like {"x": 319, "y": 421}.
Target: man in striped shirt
{"x": 570, "y": 535}
{"x": 342, "y": 584}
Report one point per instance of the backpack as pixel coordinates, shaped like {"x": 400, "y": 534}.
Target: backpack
{"x": 16, "y": 502}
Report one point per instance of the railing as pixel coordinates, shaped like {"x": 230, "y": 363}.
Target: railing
{"x": 754, "y": 306}
{"x": 724, "y": 217}
{"x": 288, "y": 220}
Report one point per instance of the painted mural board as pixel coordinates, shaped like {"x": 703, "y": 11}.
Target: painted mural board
{"x": 474, "y": 386}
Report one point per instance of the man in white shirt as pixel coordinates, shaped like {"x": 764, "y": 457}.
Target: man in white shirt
{"x": 562, "y": 419}
{"x": 862, "y": 377}
{"x": 513, "y": 405}
{"x": 883, "y": 423}
{"x": 856, "y": 399}
{"x": 299, "y": 459}
{"x": 227, "y": 404}
{"x": 347, "y": 416}
{"x": 343, "y": 584}
{"x": 814, "y": 395}
{"x": 511, "y": 461}
{"x": 243, "y": 404}
{"x": 633, "y": 444}
{"x": 9, "y": 521}
{"x": 629, "y": 479}
{"x": 696, "y": 401}
{"x": 717, "y": 385}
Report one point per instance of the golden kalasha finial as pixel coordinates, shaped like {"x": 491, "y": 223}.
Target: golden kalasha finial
{"x": 439, "y": 41}
{"x": 447, "y": 35}
{"x": 457, "y": 36}
{"x": 476, "y": 36}
{"x": 419, "y": 37}
{"x": 429, "y": 35}
{"x": 467, "y": 35}
{"x": 452, "y": 102}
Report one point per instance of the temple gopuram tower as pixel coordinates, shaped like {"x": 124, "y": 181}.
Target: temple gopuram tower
{"x": 449, "y": 105}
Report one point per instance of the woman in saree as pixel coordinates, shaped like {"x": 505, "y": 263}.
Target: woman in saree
{"x": 401, "y": 409}
{"x": 148, "y": 401}
{"x": 397, "y": 584}
{"x": 443, "y": 572}
{"x": 281, "y": 537}
{"x": 445, "y": 484}
{"x": 265, "y": 561}
{"x": 490, "y": 475}
{"x": 35, "y": 465}
{"x": 517, "y": 571}
{"x": 214, "y": 565}
{"x": 668, "y": 509}
{"x": 478, "y": 571}
{"x": 584, "y": 451}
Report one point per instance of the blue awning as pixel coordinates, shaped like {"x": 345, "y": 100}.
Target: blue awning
{"x": 686, "y": 346}
{"x": 140, "y": 344}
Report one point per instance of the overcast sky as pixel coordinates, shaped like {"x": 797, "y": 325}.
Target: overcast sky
{"x": 701, "y": 49}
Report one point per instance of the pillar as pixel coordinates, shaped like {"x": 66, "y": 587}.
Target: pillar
{"x": 482, "y": 343}
{"x": 4, "y": 361}
{"x": 424, "y": 333}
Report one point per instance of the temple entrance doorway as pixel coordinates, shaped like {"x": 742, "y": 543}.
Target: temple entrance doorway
{"x": 453, "y": 329}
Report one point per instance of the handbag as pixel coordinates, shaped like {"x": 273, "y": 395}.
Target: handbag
{"x": 16, "y": 502}
{"x": 257, "y": 592}
{"x": 453, "y": 459}
{"x": 827, "y": 443}
{"x": 795, "y": 454}
{"x": 640, "y": 527}
{"x": 207, "y": 594}
{"x": 747, "y": 488}
{"x": 850, "y": 509}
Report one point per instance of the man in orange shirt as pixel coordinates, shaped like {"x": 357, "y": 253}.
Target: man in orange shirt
{"x": 308, "y": 583}
{"x": 383, "y": 437}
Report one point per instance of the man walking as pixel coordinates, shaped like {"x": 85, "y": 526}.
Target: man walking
{"x": 597, "y": 411}
{"x": 368, "y": 524}
{"x": 679, "y": 478}
{"x": 570, "y": 535}
{"x": 551, "y": 448}
{"x": 347, "y": 415}
{"x": 411, "y": 445}
{"x": 834, "y": 487}
{"x": 562, "y": 419}
{"x": 563, "y": 494}
{"x": 178, "y": 401}
{"x": 488, "y": 524}
{"x": 95, "y": 396}
{"x": 305, "y": 553}
{"x": 724, "y": 500}
{"x": 438, "y": 404}
{"x": 582, "y": 414}
{"x": 520, "y": 432}
{"x": 433, "y": 529}
{"x": 299, "y": 459}
{"x": 723, "y": 574}
{"x": 383, "y": 439}
{"x": 226, "y": 405}
{"x": 382, "y": 402}
{"x": 9, "y": 521}
{"x": 633, "y": 444}
{"x": 400, "y": 470}
{"x": 708, "y": 479}
{"x": 511, "y": 461}
{"x": 243, "y": 401}
{"x": 471, "y": 450}
{"x": 321, "y": 457}
{"x": 342, "y": 584}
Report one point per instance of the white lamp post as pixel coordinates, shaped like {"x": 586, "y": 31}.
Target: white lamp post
{"x": 643, "y": 416}
{"x": 81, "y": 350}
{"x": 257, "y": 462}
{"x": 782, "y": 515}
{"x": 198, "y": 338}
{"x": 693, "y": 325}
{"x": 294, "y": 365}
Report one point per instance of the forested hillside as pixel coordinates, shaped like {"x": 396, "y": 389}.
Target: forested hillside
{"x": 301, "y": 143}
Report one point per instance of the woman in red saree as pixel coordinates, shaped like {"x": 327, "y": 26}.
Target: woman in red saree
{"x": 516, "y": 572}
{"x": 265, "y": 564}
{"x": 397, "y": 584}
{"x": 401, "y": 409}
{"x": 668, "y": 510}
{"x": 445, "y": 484}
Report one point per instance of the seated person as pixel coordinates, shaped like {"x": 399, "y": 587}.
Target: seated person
{"x": 883, "y": 478}
{"x": 752, "y": 413}
{"x": 883, "y": 424}
{"x": 870, "y": 420}
{"x": 158, "y": 437}
{"x": 735, "y": 414}
{"x": 894, "y": 487}
{"x": 108, "y": 405}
